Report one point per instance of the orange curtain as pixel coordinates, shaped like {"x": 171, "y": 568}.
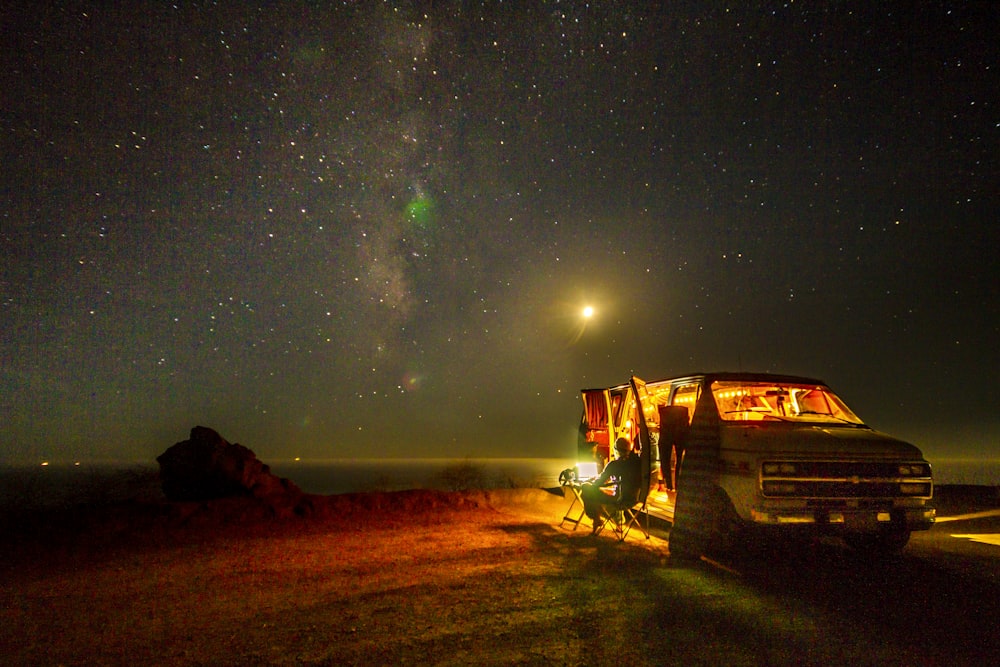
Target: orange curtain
{"x": 597, "y": 410}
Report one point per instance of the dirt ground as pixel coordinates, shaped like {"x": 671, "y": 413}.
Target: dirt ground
{"x": 416, "y": 577}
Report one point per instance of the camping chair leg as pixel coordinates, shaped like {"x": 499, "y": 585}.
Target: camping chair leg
{"x": 623, "y": 519}
{"x": 636, "y": 516}
{"x": 605, "y": 518}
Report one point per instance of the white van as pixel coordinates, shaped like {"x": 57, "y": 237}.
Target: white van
{"x": 785, "y": 453}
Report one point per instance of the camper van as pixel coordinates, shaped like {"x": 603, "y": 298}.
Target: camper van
{"x": 786, "y": 455}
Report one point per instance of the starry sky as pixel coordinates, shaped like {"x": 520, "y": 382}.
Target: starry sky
{"x": 365, "y": 229}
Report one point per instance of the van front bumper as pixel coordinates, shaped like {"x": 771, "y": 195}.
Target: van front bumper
{"x": 848, "y": 520}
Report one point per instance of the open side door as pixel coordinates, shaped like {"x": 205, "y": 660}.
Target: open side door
{"x": 649, "y": 480}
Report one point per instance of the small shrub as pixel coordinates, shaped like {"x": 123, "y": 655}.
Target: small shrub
{"x": 461, "y": 476}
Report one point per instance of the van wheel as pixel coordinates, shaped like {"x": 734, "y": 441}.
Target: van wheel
{"x": 727, "y": 529}
{"x": 881, "y": 544}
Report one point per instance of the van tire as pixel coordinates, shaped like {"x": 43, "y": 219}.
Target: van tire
{"x": 883, "y": 543}
{"x": 727, "y": 528}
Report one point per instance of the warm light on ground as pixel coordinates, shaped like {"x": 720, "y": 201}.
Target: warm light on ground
{"x": 982, "y": 538}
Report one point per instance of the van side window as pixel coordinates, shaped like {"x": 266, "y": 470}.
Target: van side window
{"x": 686, "y": 395}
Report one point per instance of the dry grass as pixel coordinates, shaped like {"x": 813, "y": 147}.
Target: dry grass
{"x": 396, "y": 578}
{"x": 377, "y": 579}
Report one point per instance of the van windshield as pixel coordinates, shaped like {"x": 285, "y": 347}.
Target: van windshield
{"x": 760, "y": 401}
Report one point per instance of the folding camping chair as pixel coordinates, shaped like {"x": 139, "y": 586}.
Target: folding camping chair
{"x": 627, "y": 514}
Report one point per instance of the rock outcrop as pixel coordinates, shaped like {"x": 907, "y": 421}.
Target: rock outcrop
{"x": 206, "y": 467}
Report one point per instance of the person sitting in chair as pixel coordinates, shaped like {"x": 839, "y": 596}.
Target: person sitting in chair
{"x": 625, "y": 473}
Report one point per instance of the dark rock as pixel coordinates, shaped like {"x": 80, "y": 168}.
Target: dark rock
{"x": 206, "y": 467}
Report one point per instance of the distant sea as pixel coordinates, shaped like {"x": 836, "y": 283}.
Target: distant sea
{"x": 347, "y": 476}
{"x": 61, "y": 484}
{"x": 333, "y": 476}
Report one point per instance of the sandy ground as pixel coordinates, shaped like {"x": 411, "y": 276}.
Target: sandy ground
{"x": 417, "y": 577}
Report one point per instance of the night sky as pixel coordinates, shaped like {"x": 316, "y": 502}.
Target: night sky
{"x": 369, "y": 229}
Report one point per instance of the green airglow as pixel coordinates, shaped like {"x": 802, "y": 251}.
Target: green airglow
{"x": 420, "y": 211}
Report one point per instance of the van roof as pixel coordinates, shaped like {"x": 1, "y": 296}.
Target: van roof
{"x": 726, "y": 376}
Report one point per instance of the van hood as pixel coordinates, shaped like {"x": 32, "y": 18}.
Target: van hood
{"x": 799, "y": 441}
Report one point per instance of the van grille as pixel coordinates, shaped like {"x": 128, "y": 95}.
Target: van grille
{"x": 846, "y": 479}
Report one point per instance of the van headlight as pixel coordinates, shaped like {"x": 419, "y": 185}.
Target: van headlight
{"x": 914, "y": 470}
